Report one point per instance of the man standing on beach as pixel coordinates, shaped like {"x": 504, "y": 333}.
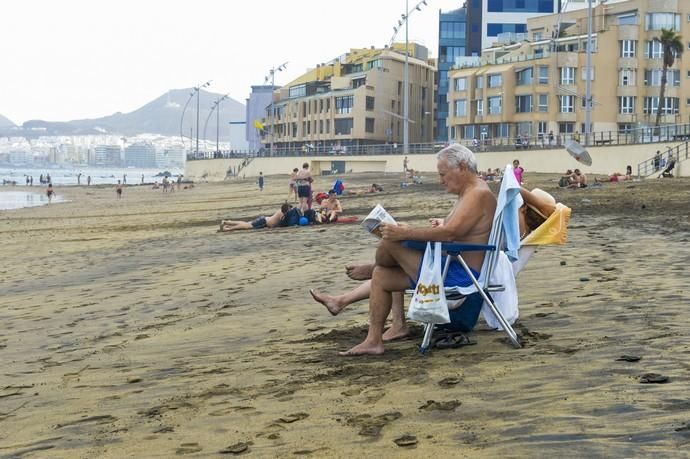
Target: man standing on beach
{"x": 261, "y": 181}
{"x": 88, "y": 180}
{"x": 469, "y": 221}
{"x": 79, "y": 178}
{"x": 118, "y": 190}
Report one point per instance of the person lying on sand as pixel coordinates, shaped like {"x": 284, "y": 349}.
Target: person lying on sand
{"x": 616, "y": 176}
{"x": 258, "y": 223}
{"x": 469, "y": 221}
{"x": 537, "y": 207}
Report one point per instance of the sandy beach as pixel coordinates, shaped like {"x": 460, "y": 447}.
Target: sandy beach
{"x": 132, "y": 328}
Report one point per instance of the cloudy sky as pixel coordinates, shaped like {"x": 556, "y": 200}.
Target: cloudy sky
{"x": 72, "y": 59}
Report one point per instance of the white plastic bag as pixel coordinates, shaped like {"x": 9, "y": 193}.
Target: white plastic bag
{"x": 428, "y": 303}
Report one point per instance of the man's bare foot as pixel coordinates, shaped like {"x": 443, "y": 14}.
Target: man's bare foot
{"x": 396, "y": 332}
{"x": 359, "y": 272}
{"x": 333, "y": 306}
{"x": 364, "y": 349}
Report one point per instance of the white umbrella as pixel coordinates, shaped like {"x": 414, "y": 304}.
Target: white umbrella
{"x": 578, "y": 152}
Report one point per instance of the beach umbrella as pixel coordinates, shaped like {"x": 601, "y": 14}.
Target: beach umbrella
{"x": 578, "y": 152}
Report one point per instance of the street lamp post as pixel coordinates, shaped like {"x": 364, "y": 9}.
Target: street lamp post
{"x": 272, "y": 76}
{"x": 216, "y": 104}
{"x": 406, "y": 72}
{"x": 195, "y": 91}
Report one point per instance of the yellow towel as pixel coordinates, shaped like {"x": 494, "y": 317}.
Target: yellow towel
{"x": 553, "y": 231}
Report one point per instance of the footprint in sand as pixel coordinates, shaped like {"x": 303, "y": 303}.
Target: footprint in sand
{"x": 433, "y": 405}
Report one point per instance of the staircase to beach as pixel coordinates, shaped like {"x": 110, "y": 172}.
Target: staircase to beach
{"x": 653, "y": 166}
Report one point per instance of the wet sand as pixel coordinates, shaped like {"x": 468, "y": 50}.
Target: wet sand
{"x": 133, "y": 328}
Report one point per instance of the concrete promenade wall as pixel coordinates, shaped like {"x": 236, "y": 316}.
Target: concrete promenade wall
{"x": 605, "y": 160}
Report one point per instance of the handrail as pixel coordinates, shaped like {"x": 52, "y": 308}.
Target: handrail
{"x": 646, "y": 135}
{"x": 657, "y": 164}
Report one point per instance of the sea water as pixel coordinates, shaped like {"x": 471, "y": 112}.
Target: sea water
{"x": 70, "y": 176}
{"x": 18, "y": 199}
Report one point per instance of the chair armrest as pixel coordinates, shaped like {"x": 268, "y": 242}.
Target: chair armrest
{"x": 451, "y": 248}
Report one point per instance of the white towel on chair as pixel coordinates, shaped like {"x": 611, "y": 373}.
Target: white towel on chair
{"x": 507, "y": 300}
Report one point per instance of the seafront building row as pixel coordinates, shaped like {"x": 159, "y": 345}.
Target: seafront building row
{"x": 528, "y": 83}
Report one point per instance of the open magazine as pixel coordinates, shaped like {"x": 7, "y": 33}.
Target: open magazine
{"x": 377, "y": 216}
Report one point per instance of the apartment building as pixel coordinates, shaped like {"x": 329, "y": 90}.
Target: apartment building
{"x": 452, "y": 45}
{"x": 354, "y": 100}
{"x": 537, "y": 86}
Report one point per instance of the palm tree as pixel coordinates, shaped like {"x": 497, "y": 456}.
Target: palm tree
{"x": 672, "y": 44}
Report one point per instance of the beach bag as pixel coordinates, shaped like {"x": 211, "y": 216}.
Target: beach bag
{"x": 292, "y": 217}
{"x": 428, "y": 303}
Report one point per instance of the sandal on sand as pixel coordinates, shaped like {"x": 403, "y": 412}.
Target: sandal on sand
{"x": 453, "y": 341}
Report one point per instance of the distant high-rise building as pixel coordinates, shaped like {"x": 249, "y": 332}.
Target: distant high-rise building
{"x": 107, "y": 155}
{"x": 452, "y": 43}
{"x": 509, "y": 16}
{"x": 258, "y": 100}
{"x": 140, "y": 154}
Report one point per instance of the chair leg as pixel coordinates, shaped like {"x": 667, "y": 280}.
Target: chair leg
{"x": 428, "y": 331}
{"x": 504, "y": 323}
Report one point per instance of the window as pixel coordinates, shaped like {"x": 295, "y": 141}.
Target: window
{"x": 627, "y": 48}
{"x": 524, "y": 76}
{"x": 652, "y": 77}
{"x": 627, "y": 19}
{"x": 343, "y": 104}
{"x": 566, "y": 128}
{"x": 495, "y": 105}
{"x": 543, "y": 74}
{"x": 479, "y": 82}
{"x": 369, "y": 124}
{"x": 658, "y": 21}
{"x": 480, "y": 107}
{"x": 651, "y": 105}
{"x": 297, "y": 91}
{"x": 567, "y": 75}
{"x": 520, "y": 6}
{"x": 653, "y": 50}
{"x": 493, "y": 29}
{"x": 542, "y": 129}
{"x": 343, "y": 126}
{"x": 626, "y": 105}
{"x": 370, "y": 103}
{"x": 357, "y": 82}
{"x": 687, "y": 101}
{"x": 567, "y": 104}
{"x": 543, "y": 102}
{"x": 495, "y": 81}
{"x": 452, "y": 29}
{"x": 460, "y": 84}
{"x": 625, "y": 128}
{"x": 627, "y": 77}
{"x": 523, "y": 104}
{"x": 450, "y": 53}
{"x": 536, "y": 36}
{"x": 460, "y": 107}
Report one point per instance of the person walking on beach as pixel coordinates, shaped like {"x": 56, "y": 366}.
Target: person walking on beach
{"x": 31, "y": 180}
{"x": 124, "y": 179}
{"x": 50, "y": 192}
{"x": 118, "y": 190}
{"x": 405, "y": 163}
{"x": 79, "y": 179}
{"x": 142, "y": 179}
{"x": 518, "y": 170}
{"x": 292, "y": 190}
{"x": 88, "y": 180}
{"x": 179, "y": 182}
{"x": 261, "y": 181}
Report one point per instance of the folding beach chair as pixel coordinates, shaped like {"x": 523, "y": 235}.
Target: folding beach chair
{"x": 502, "y": 247}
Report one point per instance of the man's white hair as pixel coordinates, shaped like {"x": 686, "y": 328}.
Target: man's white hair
{"x": 457, "y": 154}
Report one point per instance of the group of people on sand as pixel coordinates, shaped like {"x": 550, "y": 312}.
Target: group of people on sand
{"x": 329, "y": 210}
{"x": 299, "y": 187}
{"x": 395, "y": 268}
{"x": 573, "y": 179}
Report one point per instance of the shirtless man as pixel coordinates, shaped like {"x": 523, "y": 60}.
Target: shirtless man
{"x": 303, "y": 180}
{"x": 118, "y": 190}
{"x": 258, "y": 223}
{"x": 469, "y": 221}
{"x": 330, "y": 209}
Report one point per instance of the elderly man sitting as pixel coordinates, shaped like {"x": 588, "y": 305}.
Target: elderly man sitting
{"x": 469, "y": 221}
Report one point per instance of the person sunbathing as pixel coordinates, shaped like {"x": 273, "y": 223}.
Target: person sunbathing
{"x": 537, "y": 206}
{"x": 616, "y": 176}
{"x": 469, "y": 221}
{"x": 258, "y": 223}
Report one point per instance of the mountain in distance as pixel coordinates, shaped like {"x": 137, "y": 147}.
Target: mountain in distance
{"x": 5, "y": 123}
{"x": 162, "y": 115}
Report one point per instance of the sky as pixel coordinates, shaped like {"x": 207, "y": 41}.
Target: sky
{"x": 75, "y": 59}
